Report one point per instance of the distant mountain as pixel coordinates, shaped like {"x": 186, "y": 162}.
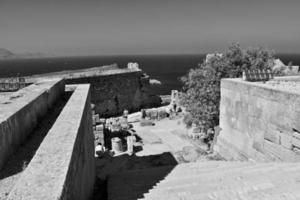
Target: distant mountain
{"x": 6, "y": 54}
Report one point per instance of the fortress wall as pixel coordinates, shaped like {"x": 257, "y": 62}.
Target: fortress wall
{"x": 21, "y": 111}
{"x": 259, "y": 122}
{"x": 64, "y": 166}
{"x": 114, "y": 92}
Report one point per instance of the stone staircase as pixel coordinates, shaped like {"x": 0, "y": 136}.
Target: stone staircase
{"x": 210, "y": 180}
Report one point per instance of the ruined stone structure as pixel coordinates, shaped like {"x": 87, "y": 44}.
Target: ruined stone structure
{"x": 113, "y": 90}
{"x": 260, "y": 121}
{"x": 259, "y": 124}
{"x": 175, "y": 97}
{"x": 12, "y": 84}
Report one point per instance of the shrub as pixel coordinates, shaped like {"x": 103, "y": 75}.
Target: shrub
{"x": 201, "y": 85}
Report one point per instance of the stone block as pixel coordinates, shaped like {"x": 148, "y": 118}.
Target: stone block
{"x": 99, "y": 127}
{"x": 296, "y": 135}
{"x": 102, "y": 120}
{"x": 285, "y": 140}
{"x": 153, "y": 114}
{"x": 272, "y": 136}
{"x": 116, "y": 145}
{"x": 296, "y": 142}
{"x": 97, "y": 119}
{"x": 162, "y": 114}
{"x": 296, "y": 150}
{"x": 94, "y": 120}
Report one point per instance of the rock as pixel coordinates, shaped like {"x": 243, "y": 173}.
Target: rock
{"x": 190, "y": 154}
{"x": 145, "y": 122}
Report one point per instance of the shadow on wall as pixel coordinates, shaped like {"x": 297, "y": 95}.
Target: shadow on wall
{"x": 21, "y": 158}
{"x": 131, "y": 173}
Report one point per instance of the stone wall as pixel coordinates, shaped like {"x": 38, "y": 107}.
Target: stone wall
{"x": 21, "y": 111}
{"x": 260, "y": 121}
{"x": 64, "y": 166}
{"x": 114, "y": 92}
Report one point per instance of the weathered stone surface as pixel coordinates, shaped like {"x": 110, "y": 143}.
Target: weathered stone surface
{"x": 64, "y": 165}
{"x": 256, "y": 118}
{"x": 296, "y": 142}
{"x": 21, "y": 111}
{"x": 113, "y": 93}
{"x": 280, "y": 153}
{"x": 285, "y": 140}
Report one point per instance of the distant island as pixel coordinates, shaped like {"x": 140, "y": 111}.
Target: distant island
{"x": 6, "y": 54}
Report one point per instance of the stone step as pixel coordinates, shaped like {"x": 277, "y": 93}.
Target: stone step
{"x": 254, "y": 185}
{"x": 215, "y": 174}
{"x": 217, "y": 180}
{"x": 204, "y": 185}
{"x": 238, "y": 192}
{"x": 229, "y": 167}
{"x": 248, "y": 180}
{"x": 132, "y": 184}
{"x": 147, "y": 171}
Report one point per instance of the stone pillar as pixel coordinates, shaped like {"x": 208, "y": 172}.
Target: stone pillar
{"x": 130, "y": 141}
{"x": 116, "y": 145}
{"x": 174, "y": 96}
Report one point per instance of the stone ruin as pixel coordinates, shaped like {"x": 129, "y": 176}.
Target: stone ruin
{"x": 117, "y": 129}
{"x": 133, "y": 66}
{"x": 259, "y": 122}
{"x": 12, "y": 84}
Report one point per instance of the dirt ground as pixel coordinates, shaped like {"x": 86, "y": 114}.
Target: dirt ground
{"x": 165, "y": 143}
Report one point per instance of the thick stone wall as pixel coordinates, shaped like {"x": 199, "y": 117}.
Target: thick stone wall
{"x": 114, "y": 92}
{"x": 64, "y": 165}
{"x": 259, "y": 121}
{"x": 21, "y": 111}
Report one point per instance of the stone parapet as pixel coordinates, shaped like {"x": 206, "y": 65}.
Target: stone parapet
{"x": 258, "y": 120}
{"x": 64, "y": 166}
{"x": 21, "y": 111}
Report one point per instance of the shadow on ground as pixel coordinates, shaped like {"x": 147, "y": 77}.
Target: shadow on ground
{"x": 117, "y": 176}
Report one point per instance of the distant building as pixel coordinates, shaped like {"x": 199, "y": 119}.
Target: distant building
{"x": 279, "y": 66}
{"x": 133, "y": 66}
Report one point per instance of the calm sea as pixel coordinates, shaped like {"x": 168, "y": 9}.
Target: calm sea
{"x": 166, "y": 68}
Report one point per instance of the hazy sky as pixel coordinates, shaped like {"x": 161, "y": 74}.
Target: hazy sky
{"x": 89, "y": 27}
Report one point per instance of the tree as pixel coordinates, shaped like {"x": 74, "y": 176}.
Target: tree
{"x": 201, "y": 85}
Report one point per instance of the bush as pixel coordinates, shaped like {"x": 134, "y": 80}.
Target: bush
{"x": 201, "y": 85}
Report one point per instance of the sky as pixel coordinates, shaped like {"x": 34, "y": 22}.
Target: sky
{"x": 106, "y": 27}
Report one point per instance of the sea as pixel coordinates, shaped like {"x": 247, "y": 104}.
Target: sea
{"x": 168, "y": 69}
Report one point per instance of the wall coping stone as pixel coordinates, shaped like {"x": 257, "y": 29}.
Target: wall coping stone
{"x": 14, "y": 102}
{"x": 46, "y": 175}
